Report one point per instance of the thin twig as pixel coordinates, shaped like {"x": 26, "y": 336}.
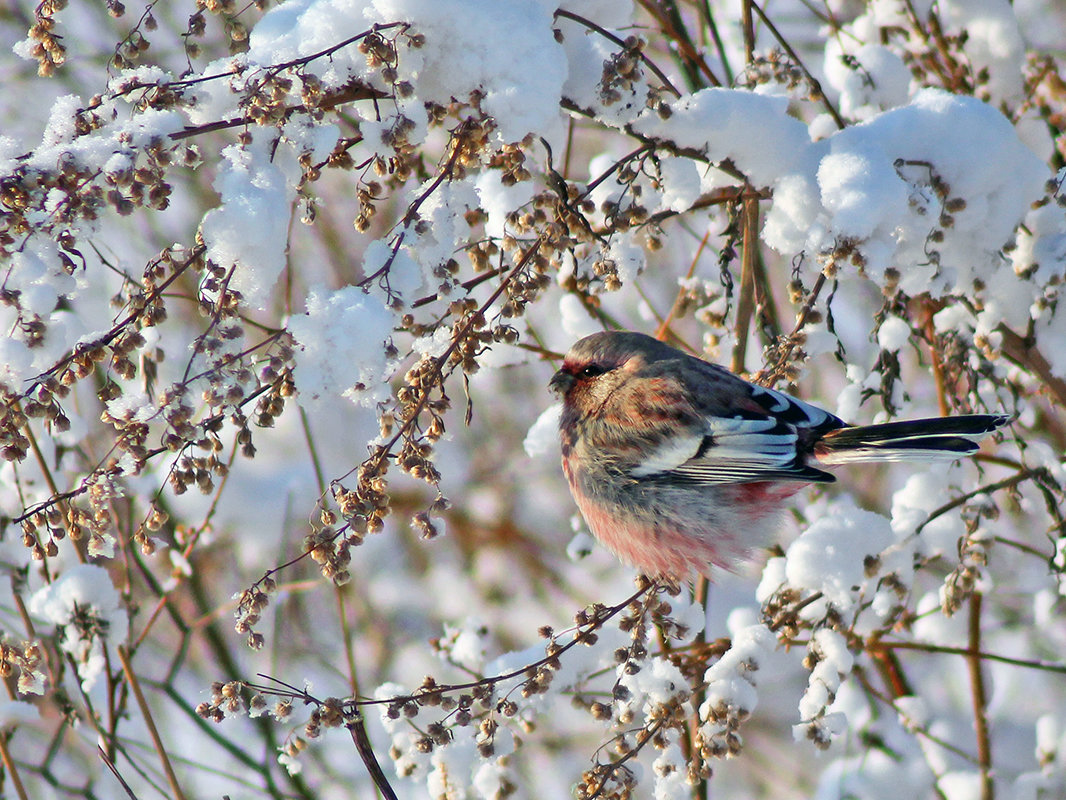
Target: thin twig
{"x": 979, "y": 697}
{"x": 746, "y": 301}
{"x": 675, "y": 32}
{"x": 664, "y": 326}
{"x": 605, "y": 614}
{"x": 146, "y": 714}
{"x": 938, "y": 366}
{"x": 357, "y": 728}
{"x": 1022, "y": 351}
{"x": 114, "y": 771}
{"x": 592, "y": 26}
{"x": 1006, "y": 483}
{"x": 816, "y": 87}
{"x": 790, "y": 342}
{"x": 719, "y": 45}
{"x": 10, "y": 768}
{"x": 923, "y": 647}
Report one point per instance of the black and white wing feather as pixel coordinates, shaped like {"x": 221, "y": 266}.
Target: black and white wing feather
{"x": 770, "y": 438}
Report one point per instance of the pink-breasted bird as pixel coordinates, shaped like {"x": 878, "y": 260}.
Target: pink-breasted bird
{"x": 678, "y": 464}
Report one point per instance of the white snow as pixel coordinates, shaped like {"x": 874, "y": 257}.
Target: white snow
{"x": 893, "y": 333}
{"x": 249, "y": 232}
{"x": 543, "y": 436}
{"x": 85, "y": 589}
{"x": 342, "y": 336}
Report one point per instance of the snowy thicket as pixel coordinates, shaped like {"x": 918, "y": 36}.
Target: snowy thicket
{"x": 282, "y": 289}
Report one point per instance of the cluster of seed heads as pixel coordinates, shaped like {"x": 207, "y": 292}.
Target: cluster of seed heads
{"x": 622, "y": 72}
{"x": 48, "y": 46}
{"x": 961, "y": 582}
{"x": 227, "y": 700}
{"x": 250, "y": 606}
{"x": 27, "y": 659}
{"x": 774, "y": 69}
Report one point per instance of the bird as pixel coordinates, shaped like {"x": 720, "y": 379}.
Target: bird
{"x": 679, "y": 466}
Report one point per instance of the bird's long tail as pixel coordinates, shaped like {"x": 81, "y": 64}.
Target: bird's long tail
{"x": 937, "y": 439}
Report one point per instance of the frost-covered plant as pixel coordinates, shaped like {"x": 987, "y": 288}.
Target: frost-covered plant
{"x": 864, "y": 206}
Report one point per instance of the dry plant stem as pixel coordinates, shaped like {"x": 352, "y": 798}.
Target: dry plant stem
{"x": 114, "y": 771}
{"x": 816, "y": 87}
{"x": 1020, "y": 546}
{"x": 480, "y": 278}
{"x": 165, "y": 599}
{"x": 1006, "y": 483}
{"x": 347, "y": 94}
{"x": 938, "y": 368}
{"x": 701, "y": 597}
{"x": 606, "y": 614}
{"x": 348, "y": 640}
{"x": 922, "y": 647}
{"x": 445, "y": 173}
{"x": 52, "y": 487}
{"x": 888, "y": 664}
{"x": 218, "y": 645}
{"x": 979, "y": 697}
{"x": 118, "y": 327}
{"x": 664, "y": 326}
{"x": 385, "y": 450}
{"x": 357, "y": 729}
{"x": 606, "y": 34}
{"x": 675, "y": 32}
{"x": 10, "y": 768}
{"x": 747, "y": 24}
{"x": 80, "y": 490}
{"x": 632, "y": 753}
{"x": 746, "y": 302}
{"x": 1023, "y": 352}
{"x": 921, "y": 730}
{"x": 765, "y": 376}
{"x": 716, "y": 37}
{"x": 146, "y": 714}
{"x": 276, "y": 68}
{"x": 338, "y": 591}
{"x": 237, "y": 749}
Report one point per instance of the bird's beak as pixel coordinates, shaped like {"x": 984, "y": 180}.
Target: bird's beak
{"x": 561, "y": 382}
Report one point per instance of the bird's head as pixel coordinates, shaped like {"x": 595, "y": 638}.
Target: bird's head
{"x": 598, "y": 364}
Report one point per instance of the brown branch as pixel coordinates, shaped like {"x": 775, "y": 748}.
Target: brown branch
{"x": 604, "y": 614}
{"x": 979, "y": 697}
{"x": 10, "y": 768}
{"x": 114, "y": 772}
{"x": 1022, "y": 351}
{"x": 146, "y": 714}
{"x": 608, "y": 770}
{"x": 592, "y": 26}
{"x": 816, "y": 87}
{"x": 357, "y": 728}
{"x": 668, "y": 146}
{"x": 664, "y": 326}
{"x": 1006, "y": 483}
{"x": 938, "y": 365}
{"x": 922, "y": 647}
{"x": 346, "y": 94}
{"x": 746, "y": 301}
{"x": 677, "y": 34}
{"x": 790, "y": 340}
{"x": 116, "y": 329}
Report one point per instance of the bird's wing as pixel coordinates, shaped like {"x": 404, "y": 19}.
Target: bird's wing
{"x": 748, "y": 434}
{"x": 739, "y": 449}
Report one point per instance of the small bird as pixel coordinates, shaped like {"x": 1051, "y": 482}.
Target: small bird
{"x": 678, "y": 464}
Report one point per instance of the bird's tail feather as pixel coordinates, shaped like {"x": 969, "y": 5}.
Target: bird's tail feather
{"x": 936, "y": 439}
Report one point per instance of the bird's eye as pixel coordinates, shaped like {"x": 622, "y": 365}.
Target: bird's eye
{"x": 591, "y": 371}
